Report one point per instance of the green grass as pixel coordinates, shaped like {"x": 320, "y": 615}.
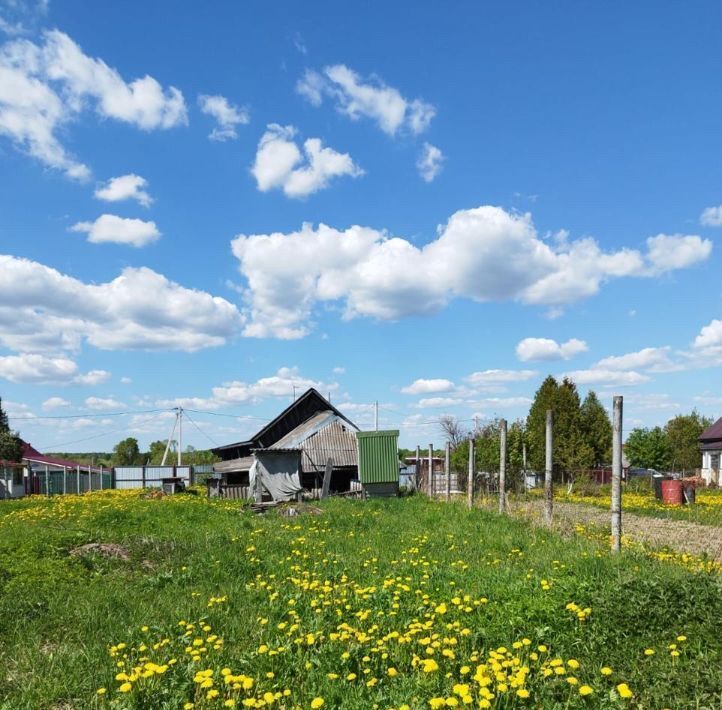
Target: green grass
{"x": 365, "y": 586}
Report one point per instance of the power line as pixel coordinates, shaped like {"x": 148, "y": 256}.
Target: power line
{"x": 87, "y": 438}
{"x": 232, "y": 416}
{"x": 91, "y": 414}
{"x": 208, "y": 436}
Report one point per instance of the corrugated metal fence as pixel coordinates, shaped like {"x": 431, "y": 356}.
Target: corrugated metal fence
{"x": 150, "y": 476}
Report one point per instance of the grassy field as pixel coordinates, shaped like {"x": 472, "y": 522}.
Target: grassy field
{"x": 707, "y": 510}
{"x": 381, "y": 604}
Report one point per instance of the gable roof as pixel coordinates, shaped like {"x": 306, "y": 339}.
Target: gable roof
{"x": 713, "y": 433}
{"x": 310, "y": 403}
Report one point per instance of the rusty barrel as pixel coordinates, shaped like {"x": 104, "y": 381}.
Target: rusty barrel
{"x": 672, "y": 492}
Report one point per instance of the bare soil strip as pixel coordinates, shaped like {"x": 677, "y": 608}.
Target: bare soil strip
{"x": 678, "y": 535}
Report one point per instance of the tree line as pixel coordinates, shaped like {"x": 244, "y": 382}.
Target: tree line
{"x": 672, "y": 447}
{"x": 128, "y": 453}
{"x": 582, "y": 434}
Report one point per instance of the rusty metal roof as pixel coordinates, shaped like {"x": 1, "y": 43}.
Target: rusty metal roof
{"x": 325, "y": 435}
{"x": 334, "y": 441}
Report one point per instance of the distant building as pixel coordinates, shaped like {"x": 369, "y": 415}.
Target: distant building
{"x": 292, "y": 451}
{"x": 710, "y": 444}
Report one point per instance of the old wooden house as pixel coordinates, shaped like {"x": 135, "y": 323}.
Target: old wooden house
{"x": 291, "y": 453}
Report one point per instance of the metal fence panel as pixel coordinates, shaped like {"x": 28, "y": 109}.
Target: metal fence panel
{"x": 129, "y": 477}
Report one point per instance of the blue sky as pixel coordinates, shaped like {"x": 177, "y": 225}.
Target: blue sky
{"x": 490, "y": 193}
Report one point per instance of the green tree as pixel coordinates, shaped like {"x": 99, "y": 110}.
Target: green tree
{"x": 571, "y": 448}
{"x": 544, "y": 399}
{"x": 597, "y": 429}
{"x": 648, "y": 448}
{"x": 199, "y": 457}
{"x": 4, "y": 423}
{"x": 515, "y": 439}
{"x": 127, "y": 453}
{"x": 156, "y": 451}
{"x": 683, "y": 433}
{"x": 11, "y": 447}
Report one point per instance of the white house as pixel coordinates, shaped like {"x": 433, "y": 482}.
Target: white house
{"x": 12, "y": 480}
{"x": 710, "y": 443}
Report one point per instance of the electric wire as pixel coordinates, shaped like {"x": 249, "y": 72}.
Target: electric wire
{"x": 208, "y": 436}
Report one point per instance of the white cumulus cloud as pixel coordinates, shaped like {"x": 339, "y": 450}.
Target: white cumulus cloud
{"x": 429, "y": 162}
{"x": 600, "y": 376}
{"x": 46, "y": 85}
{"x": 283, "y": 384}
{"x": 711, "y": 217}
{"x": 655, "y": 359}
{"x": 55, "y": 403}
{"x": 371, "y": 98}
{"x": 42, "y": 308}
{"x": 110, "y": 228}
{"x": 676, "y": 251}
{"x": 493, "y": 377}
{"x": 227, "y": 116}
{"x": 428, "y": 386}
{"x": 531, "y": 349}
{"x": 483, "y": 254}
{"x": 710, "y": 335}
{"x": 281, "y": 164}
{"x": 103, "y": 403}
{"x": 34, "y": 368}
{"x": 92, "y": 378}
{"x": 125, "y": 187}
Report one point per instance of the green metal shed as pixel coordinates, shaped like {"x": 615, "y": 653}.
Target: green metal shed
{"x": 378, "y": 461}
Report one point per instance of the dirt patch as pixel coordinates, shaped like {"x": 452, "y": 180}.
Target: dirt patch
{"x": 107, "y": 549}
{"x": 677, "y": 535}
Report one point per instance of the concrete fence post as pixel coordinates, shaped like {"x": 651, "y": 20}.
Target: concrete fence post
{"x": 432, "y": 482}
{"x": 502, "y": 466}
{"x": 447, "y": 466}
{"x": 617, "y": 474}
{"x": 548, "y": 469}
{"x": 470, "y": 480}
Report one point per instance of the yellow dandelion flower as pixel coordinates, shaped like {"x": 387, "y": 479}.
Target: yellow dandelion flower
{"x": 624, "y": 691}
{"x": 585, "y": 690}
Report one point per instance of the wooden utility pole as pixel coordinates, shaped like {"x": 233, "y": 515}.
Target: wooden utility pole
{"x": 447, "y": 466}
{"x": 326, "y": 485}
{"x": 617, "y": 475}
{"x": 432, "y": 487}
{"x": 470, "y": 481}
{"x": 502, "y": 466}
{"x": 548, "y": 489}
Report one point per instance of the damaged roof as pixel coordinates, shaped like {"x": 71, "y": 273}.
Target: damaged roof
{"x": 310, "y": 403}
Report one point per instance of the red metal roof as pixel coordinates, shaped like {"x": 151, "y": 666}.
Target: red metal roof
{"x": 32, "y": 454}
{"x": 712, "y": 433}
